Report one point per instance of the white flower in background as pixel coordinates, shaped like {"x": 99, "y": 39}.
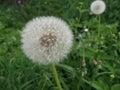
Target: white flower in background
{"x": 86, "y": 29}
{"x": 46, "y": 40}
{"x": 98, "y": 7}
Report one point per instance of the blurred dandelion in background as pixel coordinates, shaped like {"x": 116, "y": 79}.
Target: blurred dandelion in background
{"x": 98, "y": 7}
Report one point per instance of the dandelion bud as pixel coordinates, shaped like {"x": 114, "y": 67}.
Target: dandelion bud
{"x": 86, "y": 29}
{"x": 95, "y": 62}
{"x": 83, "y": 63}
{"x": 112, "y": 76}
{"x": 99, "y": 62}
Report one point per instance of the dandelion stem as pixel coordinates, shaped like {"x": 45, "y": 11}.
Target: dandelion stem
{"x": 56, "y": 76}
{"x": 98, "y": 33}
{"x": 98, "y": 27}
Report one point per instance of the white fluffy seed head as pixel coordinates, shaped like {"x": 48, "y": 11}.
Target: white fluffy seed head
{"x": 98, "y": 7}
{"x": 46, "y": 40}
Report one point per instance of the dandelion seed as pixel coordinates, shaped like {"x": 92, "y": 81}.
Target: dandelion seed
{"x": 46, "y": 40}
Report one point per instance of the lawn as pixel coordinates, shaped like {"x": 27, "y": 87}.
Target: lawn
{"x": 94, "y": 60}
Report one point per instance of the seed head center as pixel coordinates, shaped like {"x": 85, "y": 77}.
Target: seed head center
{"x": 48, "y": 39}
{"x": 97, "y": 7}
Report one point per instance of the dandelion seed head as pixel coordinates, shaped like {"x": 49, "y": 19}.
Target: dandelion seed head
{"x": 98, "y": 7}
{"x": 46, "y": 40}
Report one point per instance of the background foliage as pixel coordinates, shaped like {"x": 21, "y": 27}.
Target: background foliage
{"x": 93, "y": 63}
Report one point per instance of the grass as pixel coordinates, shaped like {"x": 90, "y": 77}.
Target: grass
{"x": 19, "y": 73}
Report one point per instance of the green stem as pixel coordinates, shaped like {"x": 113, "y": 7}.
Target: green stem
{"x": 56, "y": 76}
{"x": 98, "y": 27}
{"x": 98, "y": 34}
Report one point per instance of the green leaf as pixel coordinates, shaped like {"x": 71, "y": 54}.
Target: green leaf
{"x": 115, "y": 87}
{"x": 93, "y": 84}
{"x": 67, "y": 68}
